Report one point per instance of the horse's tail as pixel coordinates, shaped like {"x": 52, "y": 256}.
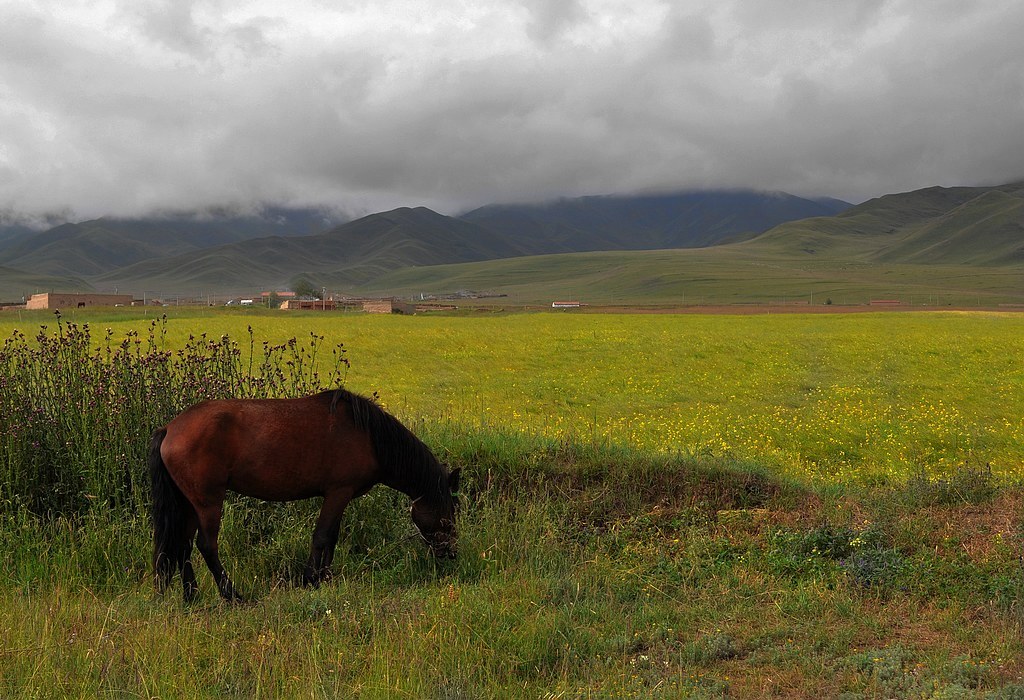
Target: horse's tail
{"x": 169, "y": 512}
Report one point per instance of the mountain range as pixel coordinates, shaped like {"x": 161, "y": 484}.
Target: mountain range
{"x": 645, "y": 246}
{"x": 222, "y": 253}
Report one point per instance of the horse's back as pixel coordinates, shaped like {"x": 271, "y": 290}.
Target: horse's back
{"x": 274, "y": 449}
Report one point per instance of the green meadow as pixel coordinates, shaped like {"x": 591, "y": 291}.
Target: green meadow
{"x": 655, "y": 506}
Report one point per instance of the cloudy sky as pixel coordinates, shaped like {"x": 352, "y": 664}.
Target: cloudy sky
{"x": 129, "y": 106}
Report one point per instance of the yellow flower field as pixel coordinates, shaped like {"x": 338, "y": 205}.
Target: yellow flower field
{"x": 825, "y": 397}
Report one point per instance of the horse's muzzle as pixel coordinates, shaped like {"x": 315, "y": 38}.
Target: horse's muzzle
{"x": 443, "y": 550}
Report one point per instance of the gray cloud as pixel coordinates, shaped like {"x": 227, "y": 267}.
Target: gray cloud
{"x": 111, "y": 106}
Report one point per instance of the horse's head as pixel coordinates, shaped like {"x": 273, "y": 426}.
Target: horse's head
{"x": 434, "y": 516}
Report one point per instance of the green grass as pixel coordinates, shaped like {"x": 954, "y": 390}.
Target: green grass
{"x": 579, "y": 589}
{"x": 617, "y": 540}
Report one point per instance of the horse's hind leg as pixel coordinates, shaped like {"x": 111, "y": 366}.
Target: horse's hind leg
{"x": 188, "y": 574}
{"x": 325, "y": 538}
{"x": 209, "y": 530}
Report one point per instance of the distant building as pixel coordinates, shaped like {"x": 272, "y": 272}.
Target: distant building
{"x": 565, "y": 305}
{"x": 309, "y": 304}
{"x": 275, "y": 299}
{"x": 387, "y": 306}
{"x": 435, "y": 307}
{"x": 51, "y": 300}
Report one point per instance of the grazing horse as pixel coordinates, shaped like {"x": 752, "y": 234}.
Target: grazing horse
{"x": 334, "y": 444}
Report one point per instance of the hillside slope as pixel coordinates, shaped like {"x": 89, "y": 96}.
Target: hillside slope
{"x": 987, "y": 230}
{"x": 15, "y": 284}
{"x": 960, "y": 225}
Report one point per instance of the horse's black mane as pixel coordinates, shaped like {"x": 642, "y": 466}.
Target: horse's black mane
{"x": 409, "y": 461}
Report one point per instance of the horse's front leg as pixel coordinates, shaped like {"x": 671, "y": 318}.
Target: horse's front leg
{"x": 325, "y": 538}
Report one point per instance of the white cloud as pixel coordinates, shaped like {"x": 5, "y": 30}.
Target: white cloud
{"x": 122, "y": 107}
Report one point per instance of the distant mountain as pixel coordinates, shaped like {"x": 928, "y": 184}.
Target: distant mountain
{"x": 12, "y": 233}
{"x": 92, "y": 248}
{"x": 937, "y": 225}
{"x": 357, "y": 252}
{"x": 349, "y": 254}
{"x": 677, "y": 220}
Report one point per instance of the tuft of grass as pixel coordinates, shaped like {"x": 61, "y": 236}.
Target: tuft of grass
{"x": 965, "y": 484}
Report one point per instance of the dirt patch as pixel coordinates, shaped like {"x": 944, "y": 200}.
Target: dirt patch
{"x": 976, "y": 529}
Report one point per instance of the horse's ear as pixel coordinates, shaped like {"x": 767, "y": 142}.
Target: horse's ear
{"x": 453, "y": 479}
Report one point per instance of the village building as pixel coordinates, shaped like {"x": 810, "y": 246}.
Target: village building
{"x": 51, "y": 300}
{"x": 387, "y": 306}
{"x": 280, "y": 296}
{"x": 309, "y": 304}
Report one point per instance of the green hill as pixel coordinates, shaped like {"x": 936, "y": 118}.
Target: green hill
{"x": 987, "y": 230}
{"x": 15, "y": 284}
{"x": 961, "y": 225}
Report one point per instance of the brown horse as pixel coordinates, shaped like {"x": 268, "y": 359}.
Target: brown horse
{"x": 335, "y": 444}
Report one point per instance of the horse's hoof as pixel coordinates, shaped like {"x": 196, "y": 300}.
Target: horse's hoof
{"x": 310, "y": 580}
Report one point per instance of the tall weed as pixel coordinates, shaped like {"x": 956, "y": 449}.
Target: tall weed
{"x": 76, "y": 412}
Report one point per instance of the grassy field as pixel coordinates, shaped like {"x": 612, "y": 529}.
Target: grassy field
{"x": 657, "y": 506}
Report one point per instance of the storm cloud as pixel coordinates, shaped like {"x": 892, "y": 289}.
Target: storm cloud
{"x": 127, "y": 107}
